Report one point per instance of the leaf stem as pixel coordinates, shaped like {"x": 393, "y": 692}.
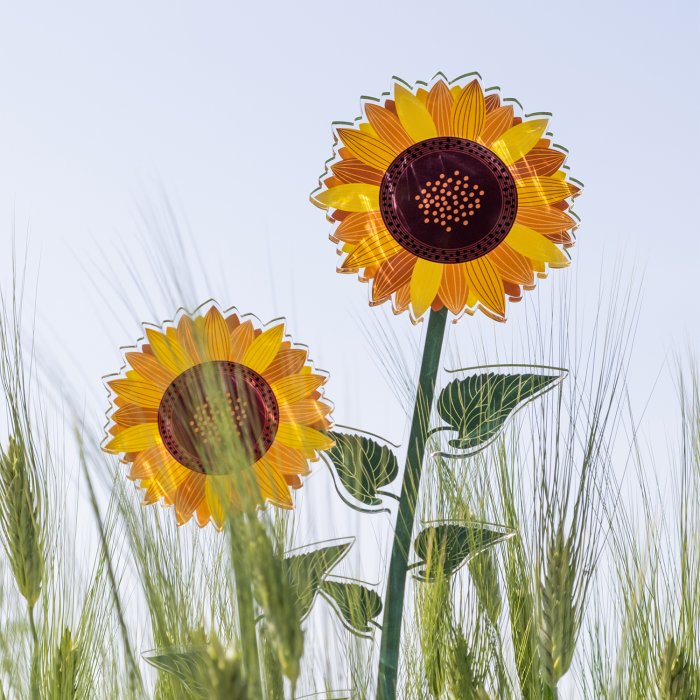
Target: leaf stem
{"x": 394, "y": 601}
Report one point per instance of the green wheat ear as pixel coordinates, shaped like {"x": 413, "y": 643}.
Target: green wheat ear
{"x": 20, "y": 519}
{"x": 64, "y": 681}
{"x": 678, "y": 677}
{"x": 558, "y": 632}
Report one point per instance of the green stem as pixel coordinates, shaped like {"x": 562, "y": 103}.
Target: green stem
{"x": 34, "y": 673}
{"x": 246, "y": 620}
{"x": 394, "y": 600}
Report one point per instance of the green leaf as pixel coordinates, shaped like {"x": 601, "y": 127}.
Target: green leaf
{"x": 306, "y": 571}
{"x": 363, "y": 466}
{"x": 187, "y": 664}
{"x": 356, "y": 604}
{"x": 444, "y": 548}
{"x": 478, "y": 406}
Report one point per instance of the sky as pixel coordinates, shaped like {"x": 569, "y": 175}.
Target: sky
{"x": 121, "y": 122}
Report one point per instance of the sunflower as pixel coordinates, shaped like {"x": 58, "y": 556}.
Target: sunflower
{"x": 213, "y": 412}
{"x": 443, "y": 197}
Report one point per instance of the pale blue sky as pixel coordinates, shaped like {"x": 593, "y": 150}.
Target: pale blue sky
{"x": 226, "y": 108}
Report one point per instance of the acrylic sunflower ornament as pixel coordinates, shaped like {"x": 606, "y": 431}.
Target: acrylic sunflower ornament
{"x": 213, "y": 412}
{"x": 443, "y": 196}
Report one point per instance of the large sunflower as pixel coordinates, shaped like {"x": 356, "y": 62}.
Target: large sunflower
{"x": 213, "y": 407}
{"x": 443, "y": 197}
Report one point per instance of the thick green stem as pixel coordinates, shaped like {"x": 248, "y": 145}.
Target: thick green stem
{"x": 246, "y": 621}
{"x": 394, "y": 600}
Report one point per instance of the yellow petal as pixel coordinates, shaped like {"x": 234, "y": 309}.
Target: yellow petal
{"x": 272, "y": 484}
{"x": 468, "y": 112}
{"x": 519, "y": 140}
{"x": 263, "y": 350}
{"x": 213, "y": 500}
{"x": 369, "y": 149}
{"x": 217, "y": 336}
{"x": 138, "y": 391}
{"x": 414, "y": 115}
{"x": 535, "y": 246}
{"x": 425, "y": 282}
{"x": 303, "y": 438}
{"x": 486, "y": 285}
{"x": 356, "y": 196}
{"x": 150, "y": 369}
{"x": 168, "y": 353}
{"x": 376, "y": 248}
{"x": 297, "y": 387}
{"x": 536, "y": 191}
{"x": 135, "y": 439}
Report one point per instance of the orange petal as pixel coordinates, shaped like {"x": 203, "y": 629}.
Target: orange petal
{"x": 150, "y": 369}
{"x": 148, "y": 462}
{"x": 537, "y": 191}
{"x": 547, "y": 220}
{"x": 492, "y": 102}
{"x": 288, "y": 361}
{"x": 166, "y": 481}
{"x": 496, "y": 123}
{"x": 402, "y": 298}
{"x": 188, "y": 496}
{"x": 240, "y": 340}
{"x": 134, "y": 415}
{"x": 486, "y": 285}
{"x": 512, "y": 266}
{"x": 468, "y": 112}
{"x": 392, "y": 274}
{"x": 304, "y": 412}
{"x": 287, "y": 460}
{"x": 359, "y": 225}
{"x": 453, "y": 287}
{"x": 190, "y": 339}
{"x": 368, "y": 149}
{"x": 388, "y": 127}
{"x": 354, "y": 170}
{"x": 539, "y": 162}
{"x": 439, "y": 104}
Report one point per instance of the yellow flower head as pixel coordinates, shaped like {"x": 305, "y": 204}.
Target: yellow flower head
{"x": 443, "y": 196}
{"x": 213, "y": 412}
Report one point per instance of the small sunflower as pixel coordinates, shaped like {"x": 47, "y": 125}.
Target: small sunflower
{"x": 444, "y": 197}
{"x": 211, "y": 405}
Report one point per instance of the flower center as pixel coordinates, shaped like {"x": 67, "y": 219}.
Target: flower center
{"x": 448, "y": 200}
{"x": 215, "y": 409}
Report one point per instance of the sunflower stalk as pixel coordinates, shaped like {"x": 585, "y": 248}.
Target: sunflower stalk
{"x": 398, "y": 567}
